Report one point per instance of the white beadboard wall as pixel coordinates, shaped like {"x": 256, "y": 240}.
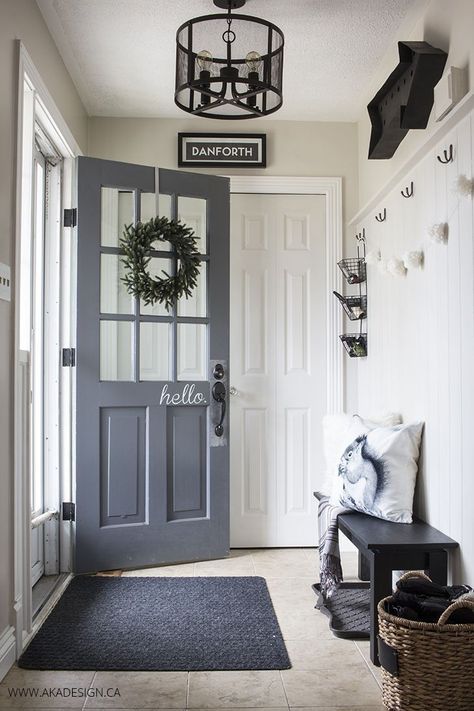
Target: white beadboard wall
{"x": 421, "y": 335}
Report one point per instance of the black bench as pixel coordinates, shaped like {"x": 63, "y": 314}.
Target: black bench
{"x": 385, "y": 546}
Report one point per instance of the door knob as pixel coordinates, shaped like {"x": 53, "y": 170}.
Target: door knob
{"x": 218, "y": 393}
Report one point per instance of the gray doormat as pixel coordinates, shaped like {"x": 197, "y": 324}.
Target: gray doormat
{"x": 348, "y": 610}
{"x": 160, "y": 624}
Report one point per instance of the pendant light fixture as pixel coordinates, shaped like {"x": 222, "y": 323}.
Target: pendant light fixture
{"x": 229, "y": 66}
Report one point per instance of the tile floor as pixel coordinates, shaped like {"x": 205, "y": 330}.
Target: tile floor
{"x": 327, "y": 674}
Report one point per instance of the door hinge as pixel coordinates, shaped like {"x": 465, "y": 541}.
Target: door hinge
{"x": 70, "y": 217}
{"x": 69, "y": 357}
{"x": 69, "y": 511}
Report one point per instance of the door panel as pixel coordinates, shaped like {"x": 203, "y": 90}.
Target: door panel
{"x": 151, "y": 484}
{"x": 278, "y": 332}
{"x": 187, "y": 466}
{"x": 123, "y": 470}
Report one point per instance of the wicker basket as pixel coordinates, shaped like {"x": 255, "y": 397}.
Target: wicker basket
{"x": 432, "y": 663}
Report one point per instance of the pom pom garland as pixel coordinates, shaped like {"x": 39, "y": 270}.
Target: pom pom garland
{"x": 413, "y": 259}
{"x": 395, "y": 267}
{"x": 463, "y": 186}
{"x": 373, "y": 256}
{"x": 438, "y": 233}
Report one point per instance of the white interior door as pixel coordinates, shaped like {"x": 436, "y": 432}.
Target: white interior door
{"x": 278, "y": 366}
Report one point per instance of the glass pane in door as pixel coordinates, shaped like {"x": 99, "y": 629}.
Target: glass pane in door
{"x": 114, "y": 298}
{"x": 148, "y": 211}
{"x": 157, "y": 267}
{"x": 116, "y": 350}
{"x": 155, "y": 349}
{"x": 196, "y": 304}
{"x": 148, "y": 206}
{"x": 117, "y": 210}
{"x": 192, "y": 351}
{"x": 37, "y": 343}
{"x": 193, "y": 213}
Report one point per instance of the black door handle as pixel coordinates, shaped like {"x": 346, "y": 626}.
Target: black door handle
{"x": 219, "y": 393}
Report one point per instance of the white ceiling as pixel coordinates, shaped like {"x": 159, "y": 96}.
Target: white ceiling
{"x": 121, "y": 53}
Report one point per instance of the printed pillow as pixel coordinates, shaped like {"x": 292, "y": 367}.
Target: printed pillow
{"x": 377, "y": 472}
{"x": 339, "y": 431}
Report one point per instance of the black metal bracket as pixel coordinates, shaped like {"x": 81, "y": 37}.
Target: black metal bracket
{"x": 69, "y": 511}
{"x": 360, "y": 236}
{"x": 448, "y": 155}
{"x": 407, "y": 192}
{"x": 224, "y": 4}
{"x": 70, "y": 217}
{"x": 381, "y": 217}
{"x": 69, "y": 357}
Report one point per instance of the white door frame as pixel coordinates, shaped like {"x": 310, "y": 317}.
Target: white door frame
{"x": 331, "y": 188}
{"x": 37, "y": 104}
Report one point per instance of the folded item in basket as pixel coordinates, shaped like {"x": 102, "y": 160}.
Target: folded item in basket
{"x": 423, "y": 586}
{"x": 424, "y": 608}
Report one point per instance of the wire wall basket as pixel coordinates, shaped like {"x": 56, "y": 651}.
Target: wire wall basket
{"x": 355, "y": 344}
{"x": 355, "y": 307}
{"x": 354, "y": 270}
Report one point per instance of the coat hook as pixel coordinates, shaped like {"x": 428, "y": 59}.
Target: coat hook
{"x": 360, "y": 236}
{"x": 407, "y": 192}
{"x": 381, "y": 217}
{"x": 448, "y": 155}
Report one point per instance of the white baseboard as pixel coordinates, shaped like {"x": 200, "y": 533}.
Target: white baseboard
{"x": 7, "y": 650}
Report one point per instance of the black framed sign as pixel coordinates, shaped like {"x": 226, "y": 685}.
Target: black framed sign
{"x": 229, "y": 150}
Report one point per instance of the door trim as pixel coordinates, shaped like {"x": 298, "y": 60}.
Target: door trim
{"x": 37, "y": 104}
{"x": 331, "y": 188}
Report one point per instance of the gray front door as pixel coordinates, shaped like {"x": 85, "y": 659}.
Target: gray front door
{"x": 152, "y": 475}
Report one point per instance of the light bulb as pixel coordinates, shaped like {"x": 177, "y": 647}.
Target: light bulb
{"x": 204, "y": 60}
{"x": 253, "y": 61}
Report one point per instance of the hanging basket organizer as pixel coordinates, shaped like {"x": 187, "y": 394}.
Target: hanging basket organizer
{"x": 426, "y": 665}
{"x": 354, "y": 306}
{"x": 355, "y": 344}
{"x": 354, "y": 270}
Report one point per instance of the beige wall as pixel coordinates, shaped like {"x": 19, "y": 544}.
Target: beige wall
{"x": 293, "y": 148}
{"x": 20, "y": 19}
{"x": 447, "y": 24}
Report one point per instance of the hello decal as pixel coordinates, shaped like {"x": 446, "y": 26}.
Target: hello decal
{"x": 188, "y": 396}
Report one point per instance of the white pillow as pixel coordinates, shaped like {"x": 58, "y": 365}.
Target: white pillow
{"x": 377, "y": 472}
{"x": 339, "y": 431}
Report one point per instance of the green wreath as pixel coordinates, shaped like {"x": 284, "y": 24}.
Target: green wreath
{"x": 137, "y": 243}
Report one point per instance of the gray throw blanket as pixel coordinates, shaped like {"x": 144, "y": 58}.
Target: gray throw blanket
{"x": 330, "y": 570}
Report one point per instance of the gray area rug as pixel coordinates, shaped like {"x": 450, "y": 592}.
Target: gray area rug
{"x": 160, "y": 624}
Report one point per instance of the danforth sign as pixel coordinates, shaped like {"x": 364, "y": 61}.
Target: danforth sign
{"x": 238, "y": 150}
